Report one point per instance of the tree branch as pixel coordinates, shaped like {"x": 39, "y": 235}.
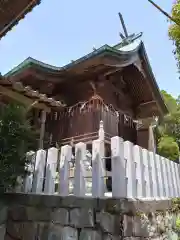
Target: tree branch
{"x": 163, "y": 12}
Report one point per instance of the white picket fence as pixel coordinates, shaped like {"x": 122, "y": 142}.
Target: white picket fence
{"x": 136, "y": 172}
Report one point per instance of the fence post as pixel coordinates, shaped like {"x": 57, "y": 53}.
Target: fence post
{"x": 168, "y": 172}
{"x": 101, "y": 138}
{"x": 165, "y": 178}
{"x": 177, "y": 179}
{"x": 140, "y": 186}
{"x": 172, "y": 178}
{"x": 39, "y": 171}
{"x": 98, "y": 186}
{"x": 160, "y": 186}
{"x": 28, "y": 181}
{"x": 65, "y": 158}
{"x": 79, "y": 178}
{"x": 178, "y": 174}
{"x": 152, "y": 165}
{"x": 175, "y": 192}
{"x": 145, "y": 156}
{"x": 118, "y": 168}
{"x": 101, "y": 131}
{"x": 130, "y": 170}
{"x": 51, "y": 166}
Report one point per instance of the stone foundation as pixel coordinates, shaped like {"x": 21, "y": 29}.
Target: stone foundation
{"x": 70, "y": 218}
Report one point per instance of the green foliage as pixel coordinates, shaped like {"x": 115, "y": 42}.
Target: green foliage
{"x": 168, "y": 148}
{"x": 175, "y": 205}
{"x": 168, "y": 131}
{"x": 170, "y": 101}
{"x": 178, "y": 224}
{"x": 174, "y": 30}
{"x": 16, "y": 139}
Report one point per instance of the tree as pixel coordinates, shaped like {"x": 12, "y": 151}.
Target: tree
{"x": 168, "y": 148}
{"x": 168, "y": 131}
{"x": 16, "y": 139}
{"x": 171, "y": 18}
{"x": 170, "y": 102}
{"x": 174, "y": 30}
{"x": 171, "y": 122}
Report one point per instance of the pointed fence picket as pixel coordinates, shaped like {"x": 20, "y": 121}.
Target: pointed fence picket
{"x": 50, "y": 172}
{"x": 79, "y": 178}
{"x": 40, "y": 164}
{"x": 28, "y": 181}
{"x": 118, "y": 162}
{"x": 136, "y": 172}
{"x": 65, "y": 158}
{"x": 98, "y": 186}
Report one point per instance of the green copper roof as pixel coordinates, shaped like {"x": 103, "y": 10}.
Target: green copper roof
{"x": 105, "y": 48}
{"x": 131, "y": 47}
{"x": 99, "y": 51}
{"x": 28, "y": 63}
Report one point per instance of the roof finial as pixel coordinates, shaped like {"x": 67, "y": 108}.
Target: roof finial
{"x": 126, "y": 38}
{"x": 123, "y": 26}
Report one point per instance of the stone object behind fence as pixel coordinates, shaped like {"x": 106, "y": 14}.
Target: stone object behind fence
{"x": 72, "y": 218}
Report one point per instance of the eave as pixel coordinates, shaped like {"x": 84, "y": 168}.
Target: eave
{"x": 11, "y": 12}
{"x": 27, "y": 96}
{"x": 152, "y": 80}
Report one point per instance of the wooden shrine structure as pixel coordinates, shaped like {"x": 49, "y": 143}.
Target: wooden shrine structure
{"x": 113, "y": 84}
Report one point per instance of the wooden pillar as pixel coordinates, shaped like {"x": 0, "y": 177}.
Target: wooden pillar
{"x": 146, "y": 134}
{"x": 42, "y": 130}
{"x": 151, "y": 140}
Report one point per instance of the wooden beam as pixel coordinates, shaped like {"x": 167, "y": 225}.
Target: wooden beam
{"x": 111, "y": 72}
{"x": 148, "y": 109}
{"x": 144, "y": 123}
{"x": 119, "y": 91}
{"x": 147, "y": 104}
{"x": 22, "y": 99}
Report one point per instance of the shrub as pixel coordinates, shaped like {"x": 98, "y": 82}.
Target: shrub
{"x": 16, "y": 139}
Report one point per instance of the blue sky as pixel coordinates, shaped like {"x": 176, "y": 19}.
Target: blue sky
{"x": 57, "y": 32}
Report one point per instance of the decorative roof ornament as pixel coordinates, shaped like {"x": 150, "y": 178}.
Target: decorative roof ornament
{"x": 126, "y": 38}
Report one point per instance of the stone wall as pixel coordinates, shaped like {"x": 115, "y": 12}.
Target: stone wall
{"x": 70, "y": 218}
